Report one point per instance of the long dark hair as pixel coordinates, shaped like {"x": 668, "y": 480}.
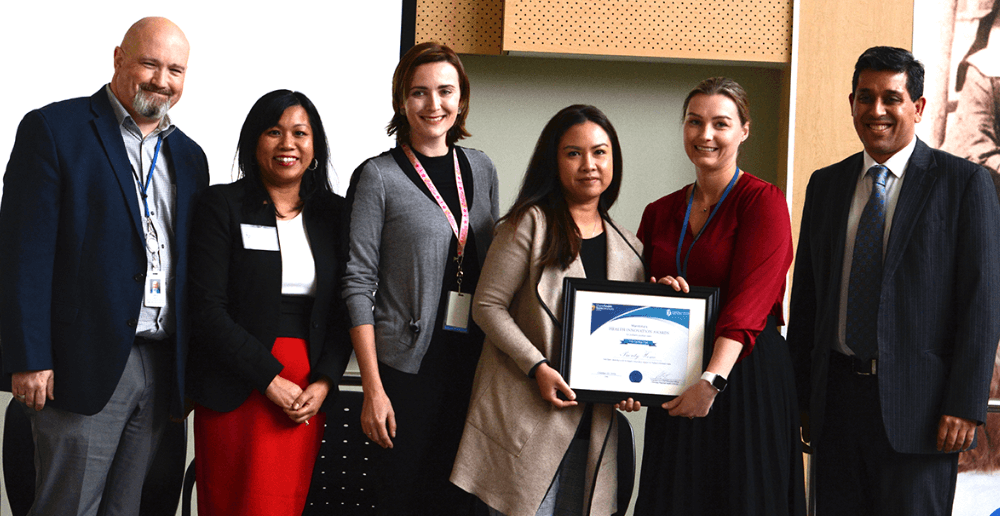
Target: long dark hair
{"x": 266, "y": 113}
{"x": 541, "y": 186}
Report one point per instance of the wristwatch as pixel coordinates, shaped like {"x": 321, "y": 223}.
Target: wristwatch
{"x": 717, "y": 380}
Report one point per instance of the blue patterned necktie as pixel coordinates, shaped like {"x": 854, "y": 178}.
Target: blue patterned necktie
{"x": 865, "y": 285}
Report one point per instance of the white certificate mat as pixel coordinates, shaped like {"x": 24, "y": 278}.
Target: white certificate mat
{"x": 638, "y": 340}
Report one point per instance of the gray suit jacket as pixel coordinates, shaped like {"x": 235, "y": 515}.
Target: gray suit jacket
{"x": 939, "y": 313}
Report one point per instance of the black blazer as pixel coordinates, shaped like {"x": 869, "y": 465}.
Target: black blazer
{"x": 939, "y": 313}
{"x": 72, "y": 259}
{"x": 236, "y": 298}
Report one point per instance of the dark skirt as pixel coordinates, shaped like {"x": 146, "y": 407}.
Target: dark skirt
{"x": 430, "y": 409}
{"x": 743, "y": 458}
{"x": 255, "y": 461}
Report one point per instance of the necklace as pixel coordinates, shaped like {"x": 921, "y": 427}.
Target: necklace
{"x": 693, "y": 188}
{"x": 682, "y": 270}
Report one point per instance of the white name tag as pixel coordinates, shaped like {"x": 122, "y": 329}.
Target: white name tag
{"x": 156, "y": 289}
{"x": 260, "y": 238}
{"x": 457, "y": 315}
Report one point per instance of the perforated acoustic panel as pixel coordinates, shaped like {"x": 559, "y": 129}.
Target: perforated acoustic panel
{"x": 736, "y": 30}
{"x": 467, "y": 26}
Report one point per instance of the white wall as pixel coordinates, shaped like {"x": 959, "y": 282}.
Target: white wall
{"x": 341, "y": 54}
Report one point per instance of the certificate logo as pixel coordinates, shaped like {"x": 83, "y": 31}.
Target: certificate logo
{"x": 635, "y": 377}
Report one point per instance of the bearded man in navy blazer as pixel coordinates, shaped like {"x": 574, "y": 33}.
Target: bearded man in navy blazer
{"x": 96, "y": 208}
{"x": 893, "y": 337}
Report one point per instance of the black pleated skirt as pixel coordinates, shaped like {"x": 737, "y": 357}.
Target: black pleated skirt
{"x": 743, "y": 458}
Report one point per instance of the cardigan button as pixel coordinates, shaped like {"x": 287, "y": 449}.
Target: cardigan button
{"x": 132, "y": 323}
{"x": 139, "y": 277}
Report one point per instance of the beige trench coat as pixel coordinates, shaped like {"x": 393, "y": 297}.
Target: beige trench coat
{"x": 514, "y": 440}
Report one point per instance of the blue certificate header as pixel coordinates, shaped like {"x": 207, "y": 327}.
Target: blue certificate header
{"x": 602, "y": 314}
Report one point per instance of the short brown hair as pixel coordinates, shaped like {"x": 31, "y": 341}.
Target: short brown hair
{"x": 429, "y": 52}
{"x": 722, "y": 86}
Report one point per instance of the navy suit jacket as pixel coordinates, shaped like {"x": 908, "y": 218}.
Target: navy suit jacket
{"x": 939, "y": 312}
{"x": 236, "y": 297}
{"x": 72, "y": 264}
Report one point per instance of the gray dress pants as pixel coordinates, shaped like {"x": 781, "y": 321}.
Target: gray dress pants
{"x": 95, "y": 465}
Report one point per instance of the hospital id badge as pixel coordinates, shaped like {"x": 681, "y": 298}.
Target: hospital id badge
{"x": 457, "y": 314}
{"x": 156, "y": 289}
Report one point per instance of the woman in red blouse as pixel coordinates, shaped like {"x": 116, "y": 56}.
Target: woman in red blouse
{"x": 713, "y": 449}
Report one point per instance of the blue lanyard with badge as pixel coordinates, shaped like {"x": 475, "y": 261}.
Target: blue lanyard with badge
{"x": 682, "y": 271}
{"x": 155, "y": 295}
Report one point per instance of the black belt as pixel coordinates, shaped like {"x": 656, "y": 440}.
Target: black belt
{"x": 854, "y": 364}
{"x": 144, "y": 340}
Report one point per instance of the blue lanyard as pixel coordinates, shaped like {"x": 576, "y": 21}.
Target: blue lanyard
{"x": 682, "y": 272}
{"x": 143, "y": 188}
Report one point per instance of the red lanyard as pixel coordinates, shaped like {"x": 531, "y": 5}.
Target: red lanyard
{"x": 462, "y": 233}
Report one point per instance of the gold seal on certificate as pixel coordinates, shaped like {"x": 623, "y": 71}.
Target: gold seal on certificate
{"x": 641, "y": 340}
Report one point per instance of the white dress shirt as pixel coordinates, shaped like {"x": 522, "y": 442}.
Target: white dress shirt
{"x": 862, "y": 192}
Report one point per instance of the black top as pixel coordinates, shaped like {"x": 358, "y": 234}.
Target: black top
{"x": 594, "y": 255}
{"x": 296, "y": 313}
{"x": 441, "y": 170}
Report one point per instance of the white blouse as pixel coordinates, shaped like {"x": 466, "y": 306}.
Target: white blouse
{"x": 298, "y": 269}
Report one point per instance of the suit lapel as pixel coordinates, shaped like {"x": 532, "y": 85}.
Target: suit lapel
{"x": 111, "y": 138}
{"x": 921, "y": 174}
{"x": 550, "y": 287}
{"x": 185, "y": 178}
{"x": 843, "y": 185}
{"x": 321, "y": 240}
{"x": 619, "y": 254}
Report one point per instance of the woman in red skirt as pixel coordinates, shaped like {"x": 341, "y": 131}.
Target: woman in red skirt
{"x": 270, "y": 335}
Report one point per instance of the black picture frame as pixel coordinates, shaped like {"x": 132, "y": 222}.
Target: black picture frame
{"x": 664, "y": 339}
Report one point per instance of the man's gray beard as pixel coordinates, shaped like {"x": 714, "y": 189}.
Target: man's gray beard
{"x": 145, "y": 104}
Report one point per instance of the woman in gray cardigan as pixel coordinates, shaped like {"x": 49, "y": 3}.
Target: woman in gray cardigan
{"x": 422, "y": 217}
{"x": 525, "y": 452}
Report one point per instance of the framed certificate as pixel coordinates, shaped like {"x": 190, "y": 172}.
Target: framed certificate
{"x": 641, "y": 340}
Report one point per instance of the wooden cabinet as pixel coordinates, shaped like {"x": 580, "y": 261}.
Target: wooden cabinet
{"x": 723, "y": 30}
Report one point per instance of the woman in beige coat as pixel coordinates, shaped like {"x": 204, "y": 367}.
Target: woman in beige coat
{"x": 524, "y": 451}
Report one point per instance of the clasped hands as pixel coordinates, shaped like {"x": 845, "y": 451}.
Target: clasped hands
{"x": 299, "y": 404}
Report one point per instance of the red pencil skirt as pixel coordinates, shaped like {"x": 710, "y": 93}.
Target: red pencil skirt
{"x": 255, "y": 460}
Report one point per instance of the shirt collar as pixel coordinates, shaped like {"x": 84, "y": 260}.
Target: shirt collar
{"x": 164, "y": 128}
{"x": 896, "y": 164}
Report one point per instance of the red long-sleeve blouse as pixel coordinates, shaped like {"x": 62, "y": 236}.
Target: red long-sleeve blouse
{"x": 745, "y": 250}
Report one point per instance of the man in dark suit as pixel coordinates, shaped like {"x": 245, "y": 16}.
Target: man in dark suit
{"x": 895, "y": 308}
{"x": 96, "y": 208}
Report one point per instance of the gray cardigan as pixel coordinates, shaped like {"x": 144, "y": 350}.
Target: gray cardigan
{"x": 399, "y": 245}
